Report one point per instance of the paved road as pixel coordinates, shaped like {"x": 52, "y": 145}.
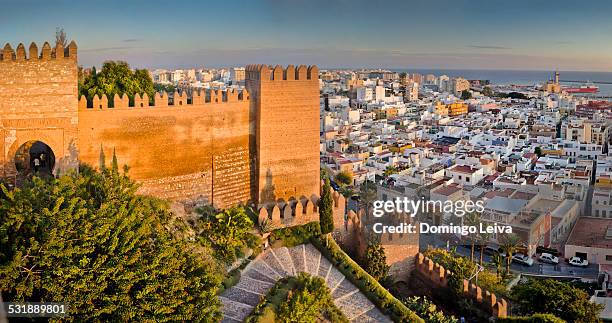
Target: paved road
{"x": 562, "y": 269}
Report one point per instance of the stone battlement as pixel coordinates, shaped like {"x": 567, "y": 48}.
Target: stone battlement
{"x": 224, "y": 147}
{"x": 162, "y": 100}
{"x": 278, "y": 73}
{"x": 47, "y": 53}
{"x": 438, "y": 276}
{"x": 295, "y": 211}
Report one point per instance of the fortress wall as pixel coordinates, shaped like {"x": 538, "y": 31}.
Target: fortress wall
{"x": 225, "y": 147}
{"x": 171, "y": 149}
{"x": 438, "y": 277}
{"x": 286, "y": 101}
{"x": 38, "y": 101}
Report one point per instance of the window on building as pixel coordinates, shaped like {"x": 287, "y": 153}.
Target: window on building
{"x": 608, "y": 257}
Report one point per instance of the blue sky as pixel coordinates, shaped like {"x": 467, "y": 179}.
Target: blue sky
{"x": 460, "y": 34}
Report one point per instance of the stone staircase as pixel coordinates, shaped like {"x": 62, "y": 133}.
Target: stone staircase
{"x": 262, "y": 273}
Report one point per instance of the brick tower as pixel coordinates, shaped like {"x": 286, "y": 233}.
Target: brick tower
{"x": 285, "y": 103}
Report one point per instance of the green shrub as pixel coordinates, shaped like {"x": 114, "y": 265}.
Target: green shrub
{"x": 381, "y": 297}
{"x": 232, "y": 279}
{"x": 297, "y": 299}
{"x": 428, "y": 310}
{"x": 296, "y": 235}
{"x": 535, "y": 318}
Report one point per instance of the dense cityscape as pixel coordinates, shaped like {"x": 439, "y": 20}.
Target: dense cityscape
{"x": 535, "y": 154}
{"x": 306, "y": 161}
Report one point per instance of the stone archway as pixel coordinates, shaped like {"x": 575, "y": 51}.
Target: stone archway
{"x": 34, "y": 157}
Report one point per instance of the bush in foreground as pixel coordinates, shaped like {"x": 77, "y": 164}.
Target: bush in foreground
{"x": 554, "y": 297}
{"x": 89, "y": 241}
{"x": 298, "y": 299}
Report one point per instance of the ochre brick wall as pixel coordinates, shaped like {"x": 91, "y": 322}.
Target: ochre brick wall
{"x": 171, "y": 149}
{"x": 38, "y": 101}
{"x": 222, "y": 147}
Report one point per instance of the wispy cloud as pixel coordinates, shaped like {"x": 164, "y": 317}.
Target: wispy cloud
{"x": 131, "y": 40}
{"x": 488, "y": 47}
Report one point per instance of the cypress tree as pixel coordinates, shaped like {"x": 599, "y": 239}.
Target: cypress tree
{"x": 102, "y": 159}
{"x": 376, "y": 260}
{"x": 326, "y": 217}
{"x": 115, "y": 164}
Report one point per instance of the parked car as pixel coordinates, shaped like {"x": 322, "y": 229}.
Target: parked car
{"x": 552, "y": 251}
{"x": 546, "y": 257}
{"x": 578, "y": 262}
{"x": 522, "y": 259}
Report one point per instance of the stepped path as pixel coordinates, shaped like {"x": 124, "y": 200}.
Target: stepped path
{"x": 261, "y": 274}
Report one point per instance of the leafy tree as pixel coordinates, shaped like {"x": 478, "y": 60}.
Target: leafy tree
{"x": 535, "y": 318}
{"x": 89, "y": 241}
{"x": 463, "y": 268}
{"x": 326, "y": 204}
{"x": 306, "y": 302}
{"x": 513, "y": 95}
{"x": 227, "y": 232}
{"x": 168, "y": 88}
{"x": 487, "y": 91}
{"x": 390, "y": 170}
{"x": 427, "y": 310}
{"x": 116, "y": 77}
{"x": 376, "y": 260}
{"x": 538, "y": 151}
{"x": 344, "y": 178}
{"x": 555, "y": 297}
{"x": 466, "y": 95}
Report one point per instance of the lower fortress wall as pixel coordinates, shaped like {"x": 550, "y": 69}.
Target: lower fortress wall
{"x": 437, "y": 277}
{"x": 171, "y": 150}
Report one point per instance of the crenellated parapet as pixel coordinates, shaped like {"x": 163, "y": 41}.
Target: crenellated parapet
{"x": 164, "y": 100}
{"x": 438, "y": 276}
{"x": 294, "y": 211}
{"x": 278, "y": 73}
{"x": 8, "y": 54}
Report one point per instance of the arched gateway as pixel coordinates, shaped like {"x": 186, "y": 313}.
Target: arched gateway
{"x": 38, "y": 110}
{"x": 35, "y": 158}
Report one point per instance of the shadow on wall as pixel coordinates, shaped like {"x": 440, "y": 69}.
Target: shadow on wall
{"x": 268, "y": 195}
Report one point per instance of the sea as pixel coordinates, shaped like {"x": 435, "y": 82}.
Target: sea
{"x": 518, "y": 77}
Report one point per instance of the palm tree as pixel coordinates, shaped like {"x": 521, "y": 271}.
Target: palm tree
{"x": 483, "y": 238}
{"x": 509, "y": 242}
{"x": 367, "y": 195}
{"x": 498, "y": 261}
{"x": 347, "y": 192}
{"x": 472, "y": 219}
